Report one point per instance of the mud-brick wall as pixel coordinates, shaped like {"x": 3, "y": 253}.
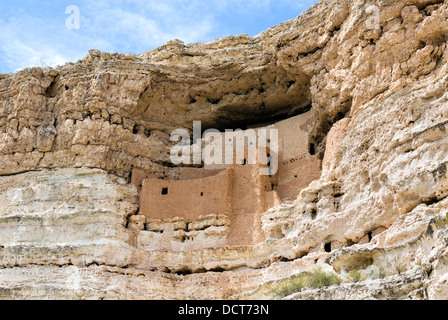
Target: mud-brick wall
{"x": 190, "y": 199}
{"x": 298, "y": 164}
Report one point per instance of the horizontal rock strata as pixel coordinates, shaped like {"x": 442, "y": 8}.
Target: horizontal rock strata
{"x": 70, "y": 136}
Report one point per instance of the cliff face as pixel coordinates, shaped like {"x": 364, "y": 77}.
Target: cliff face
{"x": 71, "y": 136}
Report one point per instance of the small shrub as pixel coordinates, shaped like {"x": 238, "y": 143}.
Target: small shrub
{"x": 381, "y": 272}
{"x": 400, "y": 268}
{"x": 305, "y": 280}
{"x": 288, "y": 287}
{"x": 442, "y": 221}
{"x": 321, "y": 279}
{"x": 355, "y": 275}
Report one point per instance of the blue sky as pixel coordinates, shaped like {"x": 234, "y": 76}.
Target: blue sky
{"x": 34, "y": 33}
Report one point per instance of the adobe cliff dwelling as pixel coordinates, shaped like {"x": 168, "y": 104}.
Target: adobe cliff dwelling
{"x": 235, "y": 195}
{"x": 92, "y": 206}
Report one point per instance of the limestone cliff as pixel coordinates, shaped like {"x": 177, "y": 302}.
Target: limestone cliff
{"x": 70, "y": 137}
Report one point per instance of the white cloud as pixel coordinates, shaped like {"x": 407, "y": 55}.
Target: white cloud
{"x": 19, "y": 51}
{"x": 120, "y": 26}
{"x": 147, "y": 24}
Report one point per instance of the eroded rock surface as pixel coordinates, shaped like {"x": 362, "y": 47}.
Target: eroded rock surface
{"x": 70, "y": 137}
